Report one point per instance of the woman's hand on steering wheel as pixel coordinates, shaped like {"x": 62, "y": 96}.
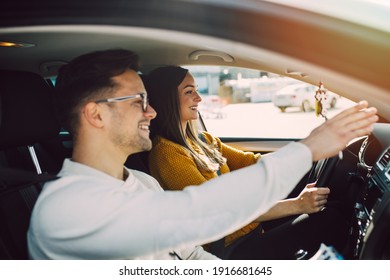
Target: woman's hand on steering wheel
{"x": 312, "y": 199}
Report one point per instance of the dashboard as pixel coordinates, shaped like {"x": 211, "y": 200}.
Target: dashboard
{"x": 372, "y": 208}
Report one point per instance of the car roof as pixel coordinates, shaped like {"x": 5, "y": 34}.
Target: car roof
{"x": 343, "y": 43}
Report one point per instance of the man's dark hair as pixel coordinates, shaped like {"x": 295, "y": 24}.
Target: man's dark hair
{"x": 87, "y": 78}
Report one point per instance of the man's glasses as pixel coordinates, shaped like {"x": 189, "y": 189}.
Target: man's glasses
{"x": 145, "y": 101}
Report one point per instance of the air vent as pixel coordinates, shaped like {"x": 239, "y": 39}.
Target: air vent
{"x": 385, "y": 159}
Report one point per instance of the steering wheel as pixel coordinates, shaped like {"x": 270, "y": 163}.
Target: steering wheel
{"x": 322, "y": 171}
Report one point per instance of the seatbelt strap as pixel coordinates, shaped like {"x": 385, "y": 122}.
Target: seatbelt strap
{"x": 12, "y": 179}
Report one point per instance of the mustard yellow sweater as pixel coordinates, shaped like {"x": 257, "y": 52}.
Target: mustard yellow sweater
{"x": 173, "y": 166}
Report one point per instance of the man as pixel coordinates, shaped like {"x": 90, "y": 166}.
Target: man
{"x": 100, "y": 210}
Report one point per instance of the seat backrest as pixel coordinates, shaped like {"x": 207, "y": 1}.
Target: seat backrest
{"x": 138, "y": 161}
{"x": 27, "y": 118}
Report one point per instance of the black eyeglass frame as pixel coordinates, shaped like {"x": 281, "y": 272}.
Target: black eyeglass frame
{"x": 143, "y": 96}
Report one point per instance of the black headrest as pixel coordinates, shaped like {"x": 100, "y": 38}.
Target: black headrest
{"x": 26, "y": 109}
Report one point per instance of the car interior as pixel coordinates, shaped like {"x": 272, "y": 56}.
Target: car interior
{"x": 35, "y": 43}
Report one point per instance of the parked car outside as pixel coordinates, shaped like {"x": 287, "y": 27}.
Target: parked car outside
{"x": 301, "y": 95}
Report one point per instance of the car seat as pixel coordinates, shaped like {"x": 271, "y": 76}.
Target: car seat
{"x": 26, "y": 119}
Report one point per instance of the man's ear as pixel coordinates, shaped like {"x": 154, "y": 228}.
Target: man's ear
{"x": 93, "y": 114}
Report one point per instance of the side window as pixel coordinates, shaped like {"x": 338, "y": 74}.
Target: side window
{"x": 247, "y": 103}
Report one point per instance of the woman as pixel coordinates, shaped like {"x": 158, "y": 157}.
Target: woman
{"x": 181, "y": 156}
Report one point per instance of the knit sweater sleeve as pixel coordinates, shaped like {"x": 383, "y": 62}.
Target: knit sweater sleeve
{"x": 173, "y": 166}
{"x": 236, "y": 158}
